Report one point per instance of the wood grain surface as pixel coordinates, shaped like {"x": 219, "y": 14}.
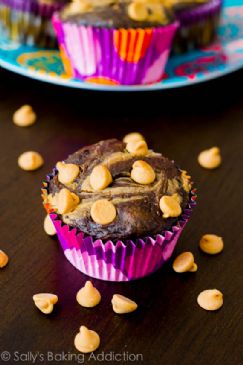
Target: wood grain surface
{"x": 169, "y": 327}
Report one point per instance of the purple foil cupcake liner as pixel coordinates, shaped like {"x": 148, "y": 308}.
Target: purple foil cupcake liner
{"x": 117, "y": 261}
{"x": 114, "y": 56}
{"x": 198, "y": 26}
{"x": 28, "y": 21}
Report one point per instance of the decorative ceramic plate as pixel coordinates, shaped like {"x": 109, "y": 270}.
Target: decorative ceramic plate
{"x": 223, "y": 57}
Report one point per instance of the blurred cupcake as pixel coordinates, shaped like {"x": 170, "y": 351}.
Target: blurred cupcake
{"x": 115, "y": 41}
{"x": 118, "y": 208}
{"x": 199, "y": 20}
{"x": 29, "y": 21}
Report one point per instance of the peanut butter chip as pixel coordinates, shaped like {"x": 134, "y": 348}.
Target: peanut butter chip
{"x": 210, "y": 300}
{"x": 103, "y": 212}
{"x": 100, "y": 177}
{"x": 122, "y": 304}
{"x": 170, "y": 206}
{"x": 30, "y": 161}
{"x": 88, "y": 296}
{"x": 184, "y": 263}
{"x": 24, "y": 117}
{"x": 137, "y": 11}
{"x": 210, "y": 159}
{"x": 142, "y": 173}
{"x": 133, "y": 137}
{"x": 49, "y": 227}
{"x": 86, "y": 340}
{"x": 211, "y": 244}
{"x": 3, "y": 259}
{"x": 45, "y": 302}
{"x": 137, "y": 148}
{"x": 67, "y": 173}
{"x": 66, "y": 201}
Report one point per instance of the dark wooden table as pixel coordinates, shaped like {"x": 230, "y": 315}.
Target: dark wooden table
{"x": 169, "y": 327}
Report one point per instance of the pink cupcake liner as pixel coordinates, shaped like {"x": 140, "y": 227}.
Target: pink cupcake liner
{"x": 114, "y": 56}
{"x": 121, "y": 260}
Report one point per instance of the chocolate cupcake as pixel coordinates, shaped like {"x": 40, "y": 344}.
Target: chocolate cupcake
{"x": 115, "y": 41}
{"x": 199, "y": 20}
{"x": 118, "y": 208}
{"x": 29, "y": 21}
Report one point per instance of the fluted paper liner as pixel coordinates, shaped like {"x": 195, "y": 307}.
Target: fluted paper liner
{"x": 122, "y": 260}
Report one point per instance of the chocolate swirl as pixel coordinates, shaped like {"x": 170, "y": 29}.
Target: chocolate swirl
{"x": 137, "y": 206}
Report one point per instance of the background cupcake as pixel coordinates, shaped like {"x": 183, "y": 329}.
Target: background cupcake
{"x": 118, "y": 208}
{"x": 115, "y": 41}
{"x": 29, "y": 21}
{"x": 199, "y": 20}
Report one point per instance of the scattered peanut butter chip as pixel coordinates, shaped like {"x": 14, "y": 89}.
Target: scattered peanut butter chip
{"x": 103, "y": 212}
{"x": 210, "y": 159}
{"x": 211, "y": 244}
{"x": 86, "y": 340}
{"x": 88, "y": 296}
{"x": 66, "y": 201}
{"x": 137, "y": 11}
{"x": 3, "y": 259}
{"x": 139, "y": 148}
{"x": 170, "y": 206}
{"x": 133, "y": 137}
{"x": 100, "y": 177}
{"x": 30, "y": 161}
{"x": 142, "y": 173}
{"x": 45, "y": 302}
{"x": 67, "y": 172}
{"x": 49, "y": 227}
{"x": 122, "y": 304}
{"x": 184, "y": 263}
{"x": 210, "y": 300}
{"x": 25, "y": 116}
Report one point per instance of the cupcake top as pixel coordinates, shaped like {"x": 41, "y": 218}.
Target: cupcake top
{"x": 117, "y": 13}
{"x": 118, "y": 190}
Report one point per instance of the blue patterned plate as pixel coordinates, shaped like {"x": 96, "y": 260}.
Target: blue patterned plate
{"x": 217, "y": 60}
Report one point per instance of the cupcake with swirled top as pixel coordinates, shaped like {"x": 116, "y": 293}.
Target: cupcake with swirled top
{"x": 198, "y": 19}
{"x": 29, "y": 21}
{"x": 115, "y": 42}
{"x": 118, "y": 208}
